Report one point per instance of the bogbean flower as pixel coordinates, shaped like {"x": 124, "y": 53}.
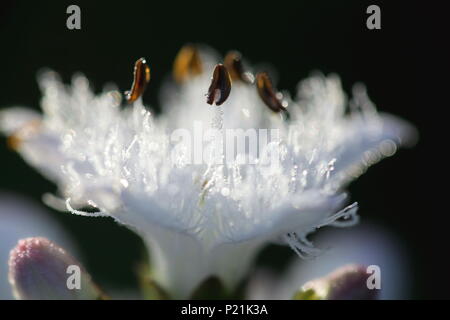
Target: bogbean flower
{"x": 206, "y": 218}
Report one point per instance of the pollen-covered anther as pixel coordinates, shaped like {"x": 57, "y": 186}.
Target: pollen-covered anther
{"x": 220, "y": 87}
{"x": 268, "y": 93}
{"x": 187, "y": 63}
{"x": 233, "y": 62}
{"x": 141, "y": 78}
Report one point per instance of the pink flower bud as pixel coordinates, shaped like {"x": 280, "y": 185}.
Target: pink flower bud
{"x": 346, "y": 283}
{"x": 39, "y": 269}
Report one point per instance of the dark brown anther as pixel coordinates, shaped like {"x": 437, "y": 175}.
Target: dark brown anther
{"x": 187, "y": 63}
{"x": 220, "y": 87}
{"x": 268, "y": 94}
{"x": 233, "y": 62}
{"x": 141, "y": 78}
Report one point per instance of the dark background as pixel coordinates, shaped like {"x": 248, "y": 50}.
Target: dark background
{"x": 296, "y": 37}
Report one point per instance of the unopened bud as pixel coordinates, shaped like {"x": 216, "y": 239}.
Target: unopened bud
{"x": 346, "y": 283}
{"x": 39, "y": 269}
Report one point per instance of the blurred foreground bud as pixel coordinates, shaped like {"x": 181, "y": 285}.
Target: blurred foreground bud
{"x": 346, "y": 283}
{"x": 39, "y": 269}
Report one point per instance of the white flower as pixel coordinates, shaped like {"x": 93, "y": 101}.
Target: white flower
{"x": 205, "y": 219}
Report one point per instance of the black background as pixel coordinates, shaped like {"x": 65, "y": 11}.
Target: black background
{"x": 295, "y": 37}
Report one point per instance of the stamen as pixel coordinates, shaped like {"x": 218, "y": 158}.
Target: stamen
{"x": 233, "y": 62}
{"x": 220, "y": 87}
{"x": 187, "y": 64}
{"x": 268, "y": 94}
{"x": 141, "y": 78}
